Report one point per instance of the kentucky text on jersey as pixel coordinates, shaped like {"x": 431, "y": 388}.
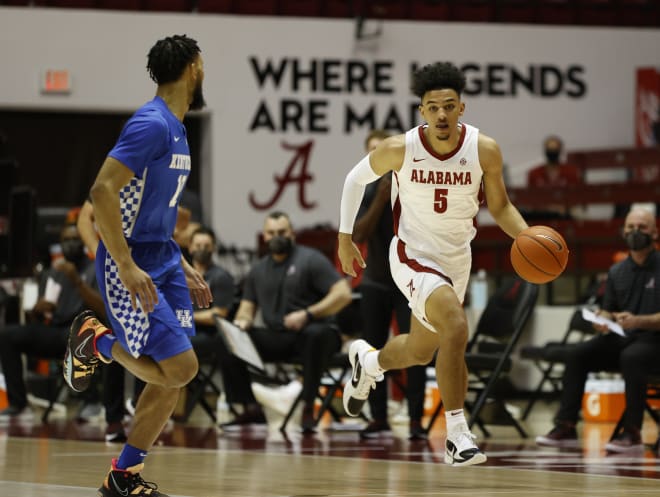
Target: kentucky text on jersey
{"x": 180, "y": 161}
{"x": 440, "y": 177}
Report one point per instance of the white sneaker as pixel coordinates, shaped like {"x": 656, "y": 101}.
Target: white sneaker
{"x": 357, "y": 390}
{"x": 89, "y": 413}
{"x": 460, "y": 449}
{"x": 279, "y": 399}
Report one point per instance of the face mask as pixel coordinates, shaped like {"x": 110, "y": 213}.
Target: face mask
{"x": 280, "y": 245}
{"x": 552, "y": 156}
{"x": 73, "y": 250}
{"x": 636, "y": 240}
{"x": 202, "y": 257}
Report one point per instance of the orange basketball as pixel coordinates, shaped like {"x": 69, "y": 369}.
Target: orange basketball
{"x": 539, "y": 254}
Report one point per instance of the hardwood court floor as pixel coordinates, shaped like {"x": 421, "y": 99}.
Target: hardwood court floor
{"x": 69, "y": 459}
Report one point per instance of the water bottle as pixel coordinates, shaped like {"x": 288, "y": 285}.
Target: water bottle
{"x": 479, "y": 290}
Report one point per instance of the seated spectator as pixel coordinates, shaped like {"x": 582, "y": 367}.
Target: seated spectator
{"x": 298, "y": 292}
{"x": 381, "y": 299}
{"x": 46, "y": 333}
{"x": 203, "y": 245}
{"x": 632, "y": 299}
{"x": 553, "y": 174}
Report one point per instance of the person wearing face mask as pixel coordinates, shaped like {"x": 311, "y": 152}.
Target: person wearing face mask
{"x": 298, "y": 292}
{"x": 553, "y": 173}
{"x": 46, "y": 332}
{"x": 202, "y": 247}
{"x": 632, "y": 299}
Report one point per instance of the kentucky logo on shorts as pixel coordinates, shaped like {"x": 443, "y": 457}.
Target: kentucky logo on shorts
{"x": 185, "y": 318}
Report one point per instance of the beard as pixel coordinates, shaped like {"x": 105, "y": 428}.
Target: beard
{"x": 198, "y": 101}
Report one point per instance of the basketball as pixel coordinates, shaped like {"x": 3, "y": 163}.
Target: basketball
{"x": 539, "y": 254}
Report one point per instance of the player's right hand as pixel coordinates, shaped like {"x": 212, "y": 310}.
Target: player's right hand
{"x": 349, "y": 253}
{"x": 140, "y": 286}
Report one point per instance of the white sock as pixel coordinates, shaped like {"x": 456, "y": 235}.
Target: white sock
{"x": 455, "y": 420}
{"x": 371, "y": 365}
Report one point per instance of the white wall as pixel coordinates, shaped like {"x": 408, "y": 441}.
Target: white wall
{"x": 106, "y": 53}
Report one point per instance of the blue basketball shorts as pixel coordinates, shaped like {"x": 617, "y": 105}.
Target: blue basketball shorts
{"x": 166, "y": 331}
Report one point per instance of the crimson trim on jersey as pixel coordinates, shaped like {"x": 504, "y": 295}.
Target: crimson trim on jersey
{"x": 430, "y": 150}
{"x": 416, "y": 265}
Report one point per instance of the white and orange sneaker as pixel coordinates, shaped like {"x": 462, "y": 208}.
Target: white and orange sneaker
{"x": 128, "y": 482}
{"x": 81, "y": 357}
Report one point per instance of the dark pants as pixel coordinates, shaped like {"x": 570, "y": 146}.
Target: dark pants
{"x": 312, "y": 347}
{"x": 34, "y": 339}
{"x": 635, "y": 357}
{"x": 49, "y": 342}
{"x": 113, "y": 391}
{"x": 377, "y": 305}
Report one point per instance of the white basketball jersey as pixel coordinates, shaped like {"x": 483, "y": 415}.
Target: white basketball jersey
{"x": 436, "y": 197}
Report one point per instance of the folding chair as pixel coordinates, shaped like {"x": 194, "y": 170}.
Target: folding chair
{"x": 196, "y": 390}
{"x": 549, "y": 358}
{"x": 488, "y": 355}
{"x": 55, "y": 387}
{"x": 652, "y": 392}
{"x": 331, "y": 383}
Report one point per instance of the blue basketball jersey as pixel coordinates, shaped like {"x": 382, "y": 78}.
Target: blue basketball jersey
{"x": 154, "y": 146}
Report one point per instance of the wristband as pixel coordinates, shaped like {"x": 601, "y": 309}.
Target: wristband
{"x": 310, "y": 316}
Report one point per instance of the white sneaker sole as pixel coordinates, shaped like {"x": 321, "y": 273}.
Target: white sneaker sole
{"x": 478, "y": 458}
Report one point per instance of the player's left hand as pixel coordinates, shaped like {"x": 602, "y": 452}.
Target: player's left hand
{"x": 200, "y": 292}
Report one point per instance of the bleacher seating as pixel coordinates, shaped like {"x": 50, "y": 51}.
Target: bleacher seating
{"x": 556, "y": 12}
{"x": 592, "y": 242}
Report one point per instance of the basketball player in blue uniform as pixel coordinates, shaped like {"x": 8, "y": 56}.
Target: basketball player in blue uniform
{"x": 145, "y": 282}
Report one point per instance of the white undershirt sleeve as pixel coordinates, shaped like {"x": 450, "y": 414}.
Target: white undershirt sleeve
{"x": 351, "y": 196}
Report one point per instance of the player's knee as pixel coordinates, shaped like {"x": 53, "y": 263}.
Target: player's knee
{"x": 182, "y": 371}
{"x": 455, "y": 334}
{"x": 422, "y": 357}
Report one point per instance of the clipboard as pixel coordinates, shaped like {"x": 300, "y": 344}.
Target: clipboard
{"x": 588, "y": 315}
{"x": 239, "y": 343}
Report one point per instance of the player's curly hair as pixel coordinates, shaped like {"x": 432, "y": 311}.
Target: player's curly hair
{"x": 169, "y": 57}
{"x": 438, "y": 76}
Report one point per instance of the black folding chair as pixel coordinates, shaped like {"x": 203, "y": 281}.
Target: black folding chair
{"x": 652, "y": 392}
{"x": 331, "y": 383}
{"x": 550, "y": 358}
{"x": 203, "y": 382}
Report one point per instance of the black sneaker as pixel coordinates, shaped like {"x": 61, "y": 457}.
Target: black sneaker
{"x": 417, "y": 432}
{"x": 80, "y": 358}
{"x": 115, "y": 433}
{"x": 252, "y": 418}
{"x": 562, "y": 435}
{"x": 376, "y": 429}
{"x": 125, "y": 482}
{"x": 628, "y": 441}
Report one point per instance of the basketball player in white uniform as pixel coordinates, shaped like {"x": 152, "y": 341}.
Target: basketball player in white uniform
{"x": 438, "y": 170}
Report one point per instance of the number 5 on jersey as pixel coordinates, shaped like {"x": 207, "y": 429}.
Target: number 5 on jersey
{"x": 440, "y": 203}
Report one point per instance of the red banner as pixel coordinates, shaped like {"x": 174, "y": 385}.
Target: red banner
{"x": 647, "y": 109}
